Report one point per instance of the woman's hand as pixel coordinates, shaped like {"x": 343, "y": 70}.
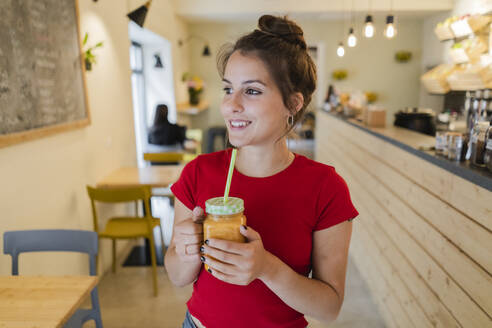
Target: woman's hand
{"x": 237, "y": 263}
{"x": 188, "y": 237}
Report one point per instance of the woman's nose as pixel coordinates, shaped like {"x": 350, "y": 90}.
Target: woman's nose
{"x": 233, "y": 103}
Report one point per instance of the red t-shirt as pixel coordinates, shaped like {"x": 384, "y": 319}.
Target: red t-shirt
{"x": 285, "y": 209}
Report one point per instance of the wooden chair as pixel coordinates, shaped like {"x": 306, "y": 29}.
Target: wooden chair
{"x": 197, "y": 135}
{"x": 129, "y": 226}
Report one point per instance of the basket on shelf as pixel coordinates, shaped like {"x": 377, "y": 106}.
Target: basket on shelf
{"x": 469, "y": 50}
{"x": 469, "y": 24}
{"x": 470, "y": 77}
{"x": 443, "y": 32}
{"x": 477, "y": 22}
{"x": 435, "y": 79}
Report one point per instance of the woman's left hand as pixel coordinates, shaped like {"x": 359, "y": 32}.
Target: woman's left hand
{"x": 237, "y": 263}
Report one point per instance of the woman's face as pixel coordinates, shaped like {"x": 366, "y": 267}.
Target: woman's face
{"x": 252, "y": 107}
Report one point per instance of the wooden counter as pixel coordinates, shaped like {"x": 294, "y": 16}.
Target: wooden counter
{"x": 423, "y": 238}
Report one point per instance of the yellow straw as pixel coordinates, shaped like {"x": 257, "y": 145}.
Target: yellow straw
{"x": 229, "y": 175}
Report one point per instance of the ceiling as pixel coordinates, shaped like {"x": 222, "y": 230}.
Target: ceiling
{"x": 240, "y": 10}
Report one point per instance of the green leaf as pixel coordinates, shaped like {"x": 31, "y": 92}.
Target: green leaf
{"x": 100, "y": 44}
{"x": 85, "y": 38}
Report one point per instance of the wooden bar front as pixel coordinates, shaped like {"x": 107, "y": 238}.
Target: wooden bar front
{"x": 423, "y": 239}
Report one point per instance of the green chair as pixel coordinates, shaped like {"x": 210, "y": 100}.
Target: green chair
{"x": 127, "y": 227}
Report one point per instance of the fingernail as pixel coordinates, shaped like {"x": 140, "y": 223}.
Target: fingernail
{"x": 244, "y": 227}
{"x": 207, "y": 241}
{"x": 202, "y": 249}
{"x": 209, "y": 270}
{"x": 202, "y": 258}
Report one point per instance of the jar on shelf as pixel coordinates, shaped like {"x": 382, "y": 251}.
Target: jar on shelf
{"x": 477, "y": 138}
{"x": 455, "y": 146}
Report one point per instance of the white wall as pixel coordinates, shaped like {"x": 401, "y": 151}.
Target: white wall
{"x": 43, "y": 181}
{"x": 370, "y": 65}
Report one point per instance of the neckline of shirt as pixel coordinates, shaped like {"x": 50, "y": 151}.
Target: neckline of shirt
{"x": 280, "y": 173}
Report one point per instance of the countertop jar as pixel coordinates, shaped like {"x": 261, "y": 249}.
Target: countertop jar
{"x": 488, "y": 149}
{"x": 441, "y": 143}
{"x": 478, "y": 143}
{"x": 455, "y": 146}
{"x": 224, "y": 219}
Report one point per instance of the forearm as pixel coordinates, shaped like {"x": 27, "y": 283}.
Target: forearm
{"x": 181, "y": 273}
{"x": 309, "y": 296}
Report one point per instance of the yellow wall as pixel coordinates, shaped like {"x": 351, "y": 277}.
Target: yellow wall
{"x": 43, "y": 181}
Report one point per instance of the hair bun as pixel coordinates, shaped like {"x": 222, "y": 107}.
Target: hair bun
{"x": 283, "y": 28}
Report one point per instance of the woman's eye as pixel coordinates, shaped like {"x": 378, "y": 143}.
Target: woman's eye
{"x": 253, "y": 92}
{"x": 227, "y": 90}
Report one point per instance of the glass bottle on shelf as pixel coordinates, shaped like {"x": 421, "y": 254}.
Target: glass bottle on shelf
{"x": 455, "y": 146}
{"x": 472, "y": 121}
{"x": 477, "y": 139}
{"x": 484, "y": 104}
{"x": 468, "y": 111}
{"x": 489, "y": 110}
{"x": 488, "y": 148}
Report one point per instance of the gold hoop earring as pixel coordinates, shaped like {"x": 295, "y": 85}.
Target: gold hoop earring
{"x": 290, "y": 120}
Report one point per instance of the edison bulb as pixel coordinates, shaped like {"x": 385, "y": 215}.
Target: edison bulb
{"x": 368, "y": 27}
{"x": 352, "y": 39}
{"x": 340, "y": 50}
{"x": 369, "y": 30}
{"x": 390, "y": 30}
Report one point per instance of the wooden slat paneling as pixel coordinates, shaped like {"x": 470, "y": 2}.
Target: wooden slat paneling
{"x": 401, "y": 196}
{"x": 438, "y": 256}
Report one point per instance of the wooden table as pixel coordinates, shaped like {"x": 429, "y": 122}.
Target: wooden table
{"x": 152, "y": 176}
{"x": 41, "y": 301}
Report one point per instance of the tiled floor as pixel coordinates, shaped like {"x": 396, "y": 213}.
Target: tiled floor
{"x": 127, "y": 302}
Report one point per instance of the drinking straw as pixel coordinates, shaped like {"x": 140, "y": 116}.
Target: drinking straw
{"x": 229, "y": 175}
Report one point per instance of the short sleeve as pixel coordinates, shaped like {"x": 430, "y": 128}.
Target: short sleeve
{"x": 185, "y": 188}
{"x": 334, "y": 203}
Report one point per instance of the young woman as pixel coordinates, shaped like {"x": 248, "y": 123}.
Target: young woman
{"x": 298, "y": 211}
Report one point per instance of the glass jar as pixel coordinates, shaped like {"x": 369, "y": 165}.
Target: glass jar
{"x": 488, "y": 149}
{"x": 477, "y": 139}
{"x": 224, "y": 219}
{"x": 441, "y": 143}
{"x": 455, "y": 146}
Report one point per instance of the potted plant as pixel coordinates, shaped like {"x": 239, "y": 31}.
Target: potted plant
{"x": 339, "y": 74}
{"x": 195, "y": 87}
{"x": 403, "y": 56}
{"x": 89, "y": 57}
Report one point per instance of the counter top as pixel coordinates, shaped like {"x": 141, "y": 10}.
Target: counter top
{"x": 418, "y": 144}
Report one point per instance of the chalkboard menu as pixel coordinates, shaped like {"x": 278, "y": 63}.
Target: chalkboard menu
{"x": 42, "y": 86}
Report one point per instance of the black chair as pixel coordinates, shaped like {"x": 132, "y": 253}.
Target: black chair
{"x": 212, "y": 134}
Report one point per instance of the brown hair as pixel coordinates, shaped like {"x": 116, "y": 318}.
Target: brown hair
{"x": 280, "y": 44}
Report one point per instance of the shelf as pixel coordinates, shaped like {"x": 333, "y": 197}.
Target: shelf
{"x": 187, "y": 109}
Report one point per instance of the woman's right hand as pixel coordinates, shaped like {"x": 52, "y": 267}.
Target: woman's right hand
{"x": 188, "y": 236}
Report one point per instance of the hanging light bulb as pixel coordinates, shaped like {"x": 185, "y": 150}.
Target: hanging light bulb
{"x": 369, "y": 27}
{"x": 390, "y": 30}
{"x": 340, "y": 50}
{"x": 352, "y": 39}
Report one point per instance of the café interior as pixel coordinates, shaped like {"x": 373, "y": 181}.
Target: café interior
{"x": 103, "y": 102}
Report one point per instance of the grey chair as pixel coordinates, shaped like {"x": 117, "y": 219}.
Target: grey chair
{"x": 16, "y": 242}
